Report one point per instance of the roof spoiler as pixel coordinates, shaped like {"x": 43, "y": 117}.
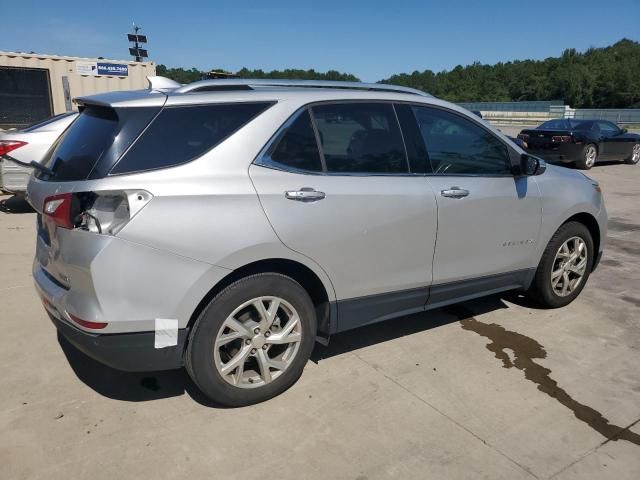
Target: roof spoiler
{"x": 162, "y": 83}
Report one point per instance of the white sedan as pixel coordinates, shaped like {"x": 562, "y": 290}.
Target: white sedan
{"x": 26, "y": 146}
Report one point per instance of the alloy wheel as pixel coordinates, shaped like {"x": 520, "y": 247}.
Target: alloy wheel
{"x": 590, "y": 156}
{"x": 257, "y": 342}
{"x": 569, "y": 266}
{"x": 635, "y": 153}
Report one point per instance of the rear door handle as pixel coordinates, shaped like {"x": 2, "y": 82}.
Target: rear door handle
{"x": 455, "y": 192}
{"x": 305, "y": 194}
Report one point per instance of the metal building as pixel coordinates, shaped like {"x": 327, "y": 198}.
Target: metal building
{"x": 34, "y": 87}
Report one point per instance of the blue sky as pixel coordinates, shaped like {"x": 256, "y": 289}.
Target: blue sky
{"x": 369, "y": 39}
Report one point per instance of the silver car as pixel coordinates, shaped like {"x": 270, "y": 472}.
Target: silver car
{"x": 25, "y": 146}
{"x": 227, "y": 225}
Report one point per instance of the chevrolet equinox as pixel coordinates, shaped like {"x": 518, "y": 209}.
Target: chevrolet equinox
{"x": 227, "y": 225}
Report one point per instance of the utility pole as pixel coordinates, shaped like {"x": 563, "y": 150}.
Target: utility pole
{"x": 139, "y": 53}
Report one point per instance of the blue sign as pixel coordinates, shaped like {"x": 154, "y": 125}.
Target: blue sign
{"x": 114, "y": 69}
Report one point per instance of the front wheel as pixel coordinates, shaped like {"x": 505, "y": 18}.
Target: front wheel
{"x": 564, "y": 268}
{"x": 635, "y": 155}
{"x": 252, "y": 341}
{"x": 589, "y": 157}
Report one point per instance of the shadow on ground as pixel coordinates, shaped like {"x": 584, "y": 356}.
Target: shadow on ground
{"x": 141, "y": 387}
{"x": 15, "y": 204}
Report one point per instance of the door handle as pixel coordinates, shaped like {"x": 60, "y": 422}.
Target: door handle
{"x": 305, "y": 194}
{"x": 455, "y": 192}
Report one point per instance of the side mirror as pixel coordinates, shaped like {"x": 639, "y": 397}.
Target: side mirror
{"x": 530, "y": 165}
{"x": 623, "y": 131}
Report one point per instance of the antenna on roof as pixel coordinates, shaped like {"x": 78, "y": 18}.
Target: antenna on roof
{"x": 139, "y": 53}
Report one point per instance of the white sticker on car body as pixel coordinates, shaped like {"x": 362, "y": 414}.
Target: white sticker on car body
{"x": 166, "y": 332}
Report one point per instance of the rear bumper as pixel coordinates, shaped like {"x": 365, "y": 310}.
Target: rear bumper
{"x": 564, "y": 152}
{"x": 131, "y": 352}
{"x": 13, "y": 177}
{"x": 134, "y": 289}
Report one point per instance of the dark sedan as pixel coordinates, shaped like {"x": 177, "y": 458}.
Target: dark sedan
{"x": 583, "y": 142}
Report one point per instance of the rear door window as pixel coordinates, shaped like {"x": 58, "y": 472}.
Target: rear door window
{"x": 296, "y": 148}
{"x": 360, "y": 138}
{"x": 180, "y": 134}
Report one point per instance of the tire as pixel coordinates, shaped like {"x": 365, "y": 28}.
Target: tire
{"x": 250, "y": 384}
{"x": 542, "y": 290}
{"x": 635, "y": 155}
{"x": 588, "y": 158}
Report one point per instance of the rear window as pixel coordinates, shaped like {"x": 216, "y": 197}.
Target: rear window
{"x": 180, "y": 134}
{"x": 88, "y": 149}
{"x": 553, "y": 124}
{"x": 48, "y": 121}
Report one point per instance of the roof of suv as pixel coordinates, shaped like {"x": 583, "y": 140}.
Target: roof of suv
{"x": 229, "y": 90}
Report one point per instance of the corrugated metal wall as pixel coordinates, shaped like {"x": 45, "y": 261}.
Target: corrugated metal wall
{"x": 79, "y": 84}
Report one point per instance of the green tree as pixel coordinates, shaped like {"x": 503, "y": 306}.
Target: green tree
{"x": 599, "y": 77}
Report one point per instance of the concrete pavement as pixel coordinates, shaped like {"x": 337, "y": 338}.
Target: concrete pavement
{"x": 488, "y": 389}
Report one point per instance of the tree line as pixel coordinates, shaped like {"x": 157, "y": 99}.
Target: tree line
{"x": 598, "y": 77}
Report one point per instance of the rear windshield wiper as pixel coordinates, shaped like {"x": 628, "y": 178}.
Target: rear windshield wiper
{"x": 32, "y": 164}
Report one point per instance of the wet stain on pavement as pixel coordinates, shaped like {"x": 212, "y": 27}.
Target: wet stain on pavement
{"x": 630, "y": 299}
{"x": 617, "y": 224}
{"x": 525, "y": 351}
{"x": 626, "y": 246}
{"x": 610, "y": 262}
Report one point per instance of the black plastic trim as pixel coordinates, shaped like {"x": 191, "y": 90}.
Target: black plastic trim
{"x": 357, "y": 312}
{"x": 453, "y": 292}
{"x": 130, "y": 352}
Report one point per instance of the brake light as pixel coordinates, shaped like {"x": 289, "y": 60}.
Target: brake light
{"x": 561, "y": 138}
{"x": 7, "y": 146}
{"x": 58, "y": 209}
{"x": 523, "y": 136}
{"x": 86, "y": 323}
{"x": 98, "y": 212}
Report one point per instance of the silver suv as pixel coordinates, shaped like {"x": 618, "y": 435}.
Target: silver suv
{"x": 227, "y": 225}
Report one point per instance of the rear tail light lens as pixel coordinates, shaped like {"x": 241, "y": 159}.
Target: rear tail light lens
{"x": 86, "y": 323}
{"x": 7, "y": 146}
{"x": 98, "y": 212}
{"x": 58, "y": 209}
{"x": 561, "y": 139}
{"x": 523, "y": 136}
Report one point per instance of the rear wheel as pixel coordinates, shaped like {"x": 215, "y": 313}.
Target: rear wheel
{"x": 252, "y": 341}
{"x": 589, "y": 157}
{"x": 635, "y": 155}
{"x": 564, "y": 268}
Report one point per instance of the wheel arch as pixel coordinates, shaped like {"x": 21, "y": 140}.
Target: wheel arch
{"x": 591, "y": 223}
{"x": 305, "y": 276}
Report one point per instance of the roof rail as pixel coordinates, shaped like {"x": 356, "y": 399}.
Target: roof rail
{"x": 248, "y": 84}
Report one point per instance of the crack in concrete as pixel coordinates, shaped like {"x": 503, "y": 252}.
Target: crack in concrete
{"x": 525, "y": 351}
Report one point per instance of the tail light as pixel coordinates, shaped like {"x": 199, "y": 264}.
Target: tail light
{"x": 87, "y": 324}
{"x": 523, "y": 137}
{"x": 7, "y": 146}
{"x": 98, "y": 212}
{"x": 58, "y": 209}
{"x": 561, "y": 138}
